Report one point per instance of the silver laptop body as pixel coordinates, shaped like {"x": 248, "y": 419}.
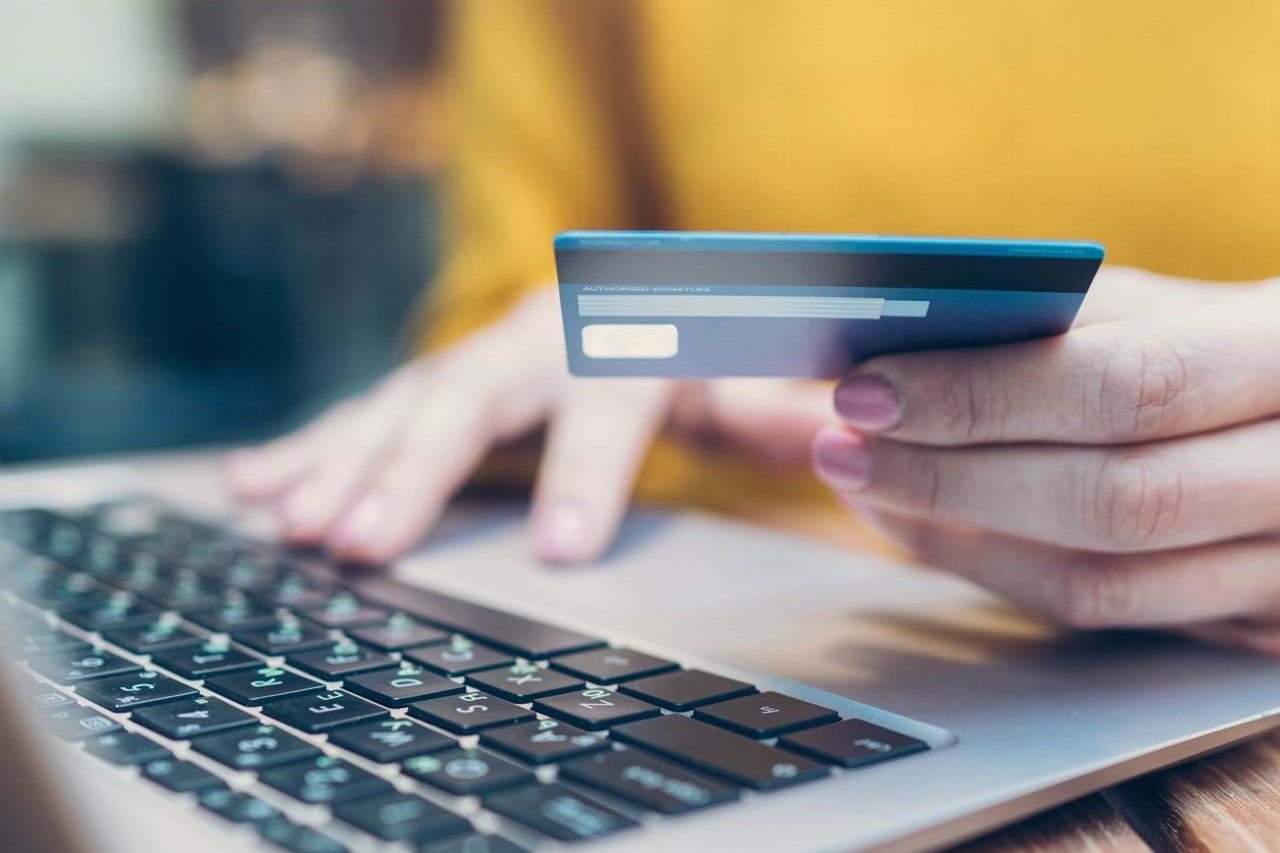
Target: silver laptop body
{"x": 1017, "y": 717}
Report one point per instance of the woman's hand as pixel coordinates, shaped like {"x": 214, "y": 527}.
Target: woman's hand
{"x": 370, "y": 477}
{"x": 1126, "y": 474}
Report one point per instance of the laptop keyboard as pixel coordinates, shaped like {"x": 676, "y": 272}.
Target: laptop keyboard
{"x": 163, "y": 643}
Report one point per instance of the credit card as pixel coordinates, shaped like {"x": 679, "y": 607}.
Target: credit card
{"x": 703, "y": 304}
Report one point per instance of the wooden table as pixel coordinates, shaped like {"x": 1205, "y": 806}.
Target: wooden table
{"x": 1224, "y": 803}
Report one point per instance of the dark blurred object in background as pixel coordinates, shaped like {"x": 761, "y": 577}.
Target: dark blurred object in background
{"x": 224, "y": 278}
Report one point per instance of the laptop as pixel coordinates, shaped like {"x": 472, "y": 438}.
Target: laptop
{"x": 174, "y": 680}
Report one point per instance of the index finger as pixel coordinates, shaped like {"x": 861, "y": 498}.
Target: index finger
{"x": 597, "y": 441}
{"x": 1115, "y": 382}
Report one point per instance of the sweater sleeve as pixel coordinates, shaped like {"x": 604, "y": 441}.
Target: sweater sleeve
{"x": 537, "y": 94}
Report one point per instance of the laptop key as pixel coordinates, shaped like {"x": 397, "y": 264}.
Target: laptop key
{"x": 390, "y": 741}
{"x": 206, "y": 554}
{"x": 35, "y": 580}
{"x": 720, "y": 752}
{"x": 611, "y": 665}
{"x": 69, "y": 592}
{"x": 765, "y": 714}
{"x": 340, "y": 659}
{"x": 648, "y": 780}
{"x": 557, "y": 811}
{"x": 186, "y": 591}
{"x": 250, "y": 573}
{"x": 142, "y": 574}
{"x": 117, "y": 611}
{"x": 324, "y": 780}
{"x": 473, "y": 842}
{"x": 166, "y": 536}
{"x": 259, "y": 686}
{"x": 399, "y": 687}
{"x": 292, "y": 589}
{"x": 458, "y": 657}
{"x": 401, "y": 817}
{"x": 852, "y": 743}
{"x": 102, "y": 557}
{"x": 124, "y": 692}
{"x": 255, "y": 748}
{"x": 469, "y": 712}
{"x": 595, "y": 708}
{"x": 343, "y": 610}
{"x": 190, "y": 718}
{"x": 523, "y": 682}
{"x": 81, "y": 664}
{"x": 158, "y": 635}
{"x": 236, "y": 807}
{"x": 298, "y": 839}
{"x": 528, "y": 638}
{"x": 686, "y": 689}
{"x": 398, "y": 633}
{"x": 25, "y": 527}
{"x": 212, "y": 657}
{"x": 544, "y": 741}
{"x": 26, "y": 575}
{"x": 44, "y": 696}
{"x": 283, "y": 636}
{"x": 125, "y": 748}
{"x": 235, "y": 613}
{"x": 320, "y": 712}
{"x": 78, "y": 722}
{"x": 181, "y": 777}
{"x": 63, "y": 538}
{"x": 466, "y": 771}
{"x": 41, "y": 639}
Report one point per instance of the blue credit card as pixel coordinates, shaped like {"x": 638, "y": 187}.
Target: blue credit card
{"x": 700, "y": 305}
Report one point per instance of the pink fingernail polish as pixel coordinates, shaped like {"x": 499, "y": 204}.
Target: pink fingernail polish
{"x": 561, "y": 532}
{"x": 868, "y": 402}
{"x": 842, "y": 458}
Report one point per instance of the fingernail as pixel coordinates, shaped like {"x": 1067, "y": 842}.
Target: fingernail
{"x": 561, "y": 532}
{"x": 360, "y": 525}
{"x": 842, "y": 458}
{"x": 868, "y": 402}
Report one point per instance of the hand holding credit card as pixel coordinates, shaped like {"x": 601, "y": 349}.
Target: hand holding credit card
{"x": 704, "y": 305}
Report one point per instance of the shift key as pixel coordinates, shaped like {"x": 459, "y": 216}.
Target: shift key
{"x": 719, "y": 752}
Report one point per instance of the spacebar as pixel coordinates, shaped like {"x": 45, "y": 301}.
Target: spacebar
{"x": 526, "y": 637}
{"x": 717, "y": 751}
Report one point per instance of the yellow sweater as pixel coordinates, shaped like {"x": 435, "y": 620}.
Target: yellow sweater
{"x": 1152, "y": 126}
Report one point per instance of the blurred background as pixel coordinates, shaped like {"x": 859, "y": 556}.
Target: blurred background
{"x": 216, "y": 216}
